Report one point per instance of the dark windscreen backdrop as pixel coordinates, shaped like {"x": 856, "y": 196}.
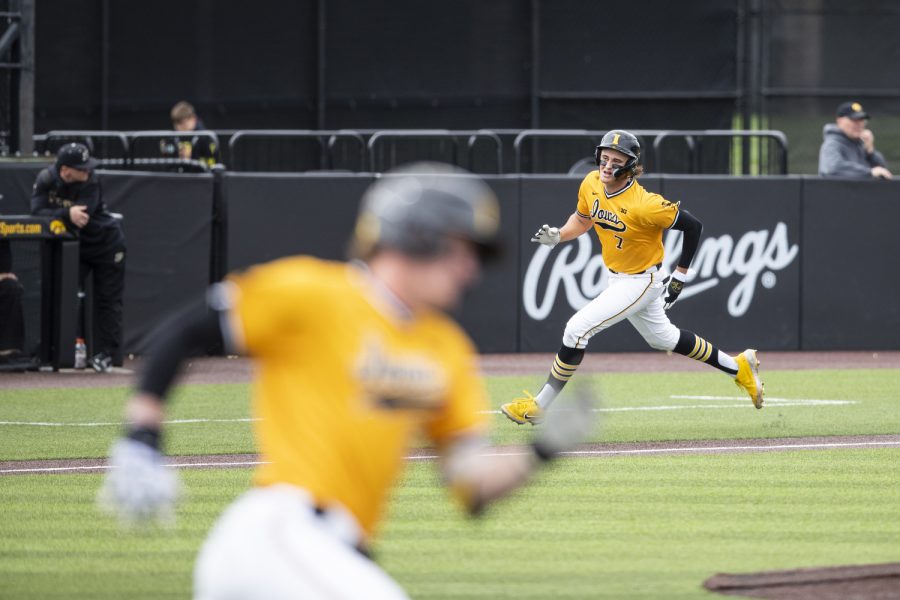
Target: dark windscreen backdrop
{"x": 400, "y": 64}
{"x": 822, "y": 54}
{"x": 639, "y": 66}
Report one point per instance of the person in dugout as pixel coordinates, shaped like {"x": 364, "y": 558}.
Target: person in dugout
{"x": 70, "y": 190}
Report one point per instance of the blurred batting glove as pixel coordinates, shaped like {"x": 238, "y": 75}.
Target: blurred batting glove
{"x": 674, "y": 285}
{"x": 138, "y": 487}
{"x": 566, "y": 426}
{"x": 546, "y": 235}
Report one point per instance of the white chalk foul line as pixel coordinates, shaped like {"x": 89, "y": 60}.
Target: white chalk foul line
{"x": 119, "y": 423}
{"x": 809, "y": 401}
{"x": 740, "y": 402}
{"x": 678, "y": 449}
{"x": 99, "y": 467}
{"x": 820, "y": 446}
{"x": 612, "y": 452}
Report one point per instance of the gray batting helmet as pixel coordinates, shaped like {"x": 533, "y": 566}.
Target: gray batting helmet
{"x": 414, "y": 209}
{"x": 627, "y": 144}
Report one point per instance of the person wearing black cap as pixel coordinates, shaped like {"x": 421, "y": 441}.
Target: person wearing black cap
{"x": 848, "y": 147}
{"x": 70, "y": 190}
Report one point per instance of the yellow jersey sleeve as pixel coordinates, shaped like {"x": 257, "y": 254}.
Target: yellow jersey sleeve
{"x": 465, "y": 408}
{"x": 584, "y": 198}
{"x": 272, "y": 304}
{"x": 659, "y": 212}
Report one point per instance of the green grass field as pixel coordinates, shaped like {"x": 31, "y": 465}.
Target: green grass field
{"x": 616, "y": 527}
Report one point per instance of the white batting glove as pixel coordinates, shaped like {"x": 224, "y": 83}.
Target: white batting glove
{"x": 566, "y": 424}
{"x": 546, "y": 235}
{"x": 138, "y": 487}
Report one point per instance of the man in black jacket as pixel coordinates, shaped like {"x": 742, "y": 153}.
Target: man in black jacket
{"x": 69, "y": 190}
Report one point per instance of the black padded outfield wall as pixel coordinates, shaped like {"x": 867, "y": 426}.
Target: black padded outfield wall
{"x": 783, "y": 264}
{"x": 270, "y": 216}
{"x": 490, "y": 311}
{"x": 168, "y": 232}
{"x": 850, "y": 265}
{"x": 746, "y": 293}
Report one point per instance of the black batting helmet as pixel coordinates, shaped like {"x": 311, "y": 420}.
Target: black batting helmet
{"x": 624, "y": 142}
{"x": 414, "y": 209}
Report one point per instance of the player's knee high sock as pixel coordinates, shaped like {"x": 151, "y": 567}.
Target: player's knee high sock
{"x": 564, "y": 366}
{"x": 693, "y": 346}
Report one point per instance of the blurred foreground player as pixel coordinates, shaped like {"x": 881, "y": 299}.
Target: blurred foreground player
{"x": 353, "y": 360}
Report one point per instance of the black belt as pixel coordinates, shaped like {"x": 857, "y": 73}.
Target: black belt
{"x": 321, "y": 512}
{"x": 658, "y": 267}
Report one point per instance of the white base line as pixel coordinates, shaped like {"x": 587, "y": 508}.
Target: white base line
{"x": 636, "y": 451}
{"x": 741, "y": 402}
{"x": 119, "y": 423}
{"x": 249, "y": 463}
{"x": 675, "y": 450}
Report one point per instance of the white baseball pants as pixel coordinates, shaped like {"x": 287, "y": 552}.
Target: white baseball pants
{"x": 638, "y": 298}
{"x": 271, "y": 544}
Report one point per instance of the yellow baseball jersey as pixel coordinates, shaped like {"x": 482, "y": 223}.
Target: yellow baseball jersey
{"x": 345, "y": 379}
{"x": 629, "y": 223}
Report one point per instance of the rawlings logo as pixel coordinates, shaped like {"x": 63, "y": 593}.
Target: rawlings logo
{"x": 755, "y": 256}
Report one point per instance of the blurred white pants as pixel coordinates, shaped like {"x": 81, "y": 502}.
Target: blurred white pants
{"x": 638, "y": 298}
{"x": 271, "y": 544}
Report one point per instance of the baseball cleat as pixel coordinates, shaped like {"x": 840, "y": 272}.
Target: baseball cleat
{"x": 747, "y": 377}
{"x": 523, "y": 410}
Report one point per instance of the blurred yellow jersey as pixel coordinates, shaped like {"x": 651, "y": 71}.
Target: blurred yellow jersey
{"x": 629, "y": 223}
{"x": 345, "y": 377}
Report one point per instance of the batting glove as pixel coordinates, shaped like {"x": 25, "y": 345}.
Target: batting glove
{"x": 138, "y": 487}
{"x": 675, "y": 285}
{"x": 546, "y": 235}
{"x": 564, "y": 427}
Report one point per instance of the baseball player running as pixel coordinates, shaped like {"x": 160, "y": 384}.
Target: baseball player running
{"x": 630, "y": 223}
{"x": 353, "y": 359}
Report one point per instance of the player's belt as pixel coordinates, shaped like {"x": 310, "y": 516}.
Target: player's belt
{"x": 337, "y": 524}
{"x": 652, "y": 269}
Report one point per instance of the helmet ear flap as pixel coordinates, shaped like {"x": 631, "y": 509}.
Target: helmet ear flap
{"x": 625, "y": 170}
{"x": 597, "y": 155}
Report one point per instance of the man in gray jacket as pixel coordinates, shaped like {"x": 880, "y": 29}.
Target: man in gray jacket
{"x": 848, "y": 147}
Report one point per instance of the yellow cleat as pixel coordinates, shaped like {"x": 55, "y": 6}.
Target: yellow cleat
{"x": 523, "y": 410}
{"x": 747, "y": 377}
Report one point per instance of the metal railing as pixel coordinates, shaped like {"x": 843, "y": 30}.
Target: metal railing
{"x": 129, "y": 149}
{"x": 744, "y": 151}
{"x": 327, "y": 140}
{"x": 380, "y": 138}
{"x": 695, "y": 138}
{"x": 109, "y": 146}
{"x": 594, "y": 136}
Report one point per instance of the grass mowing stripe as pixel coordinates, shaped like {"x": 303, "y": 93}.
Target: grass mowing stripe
{"x": 636, "y": 527}
{"x": 874, "y": 389}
